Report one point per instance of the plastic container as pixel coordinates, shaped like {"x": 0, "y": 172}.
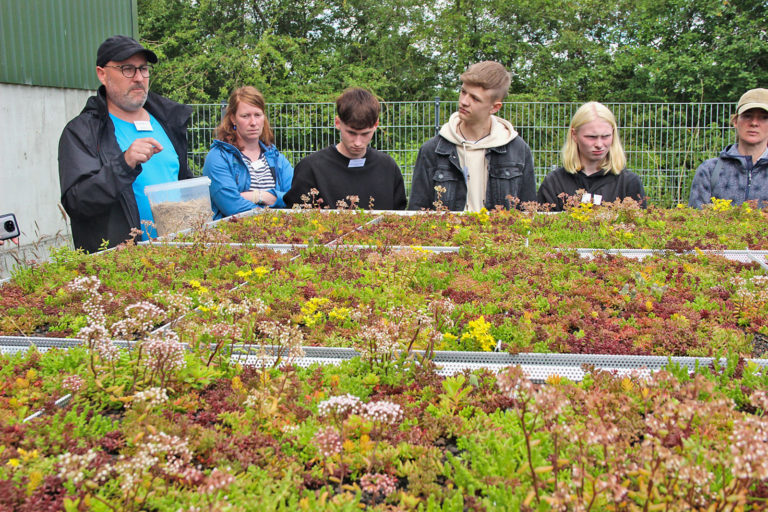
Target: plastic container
{"x": 180, "y": 205}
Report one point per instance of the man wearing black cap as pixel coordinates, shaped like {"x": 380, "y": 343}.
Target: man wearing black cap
{"x": 124, "y": 139}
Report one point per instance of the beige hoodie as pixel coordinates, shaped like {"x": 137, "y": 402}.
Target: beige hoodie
{"x": 472, "y": 157}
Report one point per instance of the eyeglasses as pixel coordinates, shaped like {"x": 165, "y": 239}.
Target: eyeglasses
{"x": 129, "y": 70}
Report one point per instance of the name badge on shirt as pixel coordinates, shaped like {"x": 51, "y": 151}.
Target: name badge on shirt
{"x": 143, "y": 126}
{"x": 597, "y": 199}
{"x": 357, "y": 162}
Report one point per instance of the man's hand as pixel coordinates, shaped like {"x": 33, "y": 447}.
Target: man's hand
{"x": 141, "y": 150}
{"x": 14, "y": 240}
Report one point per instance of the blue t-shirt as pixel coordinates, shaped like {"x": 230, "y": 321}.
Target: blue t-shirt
{"x": 161, "y": 168}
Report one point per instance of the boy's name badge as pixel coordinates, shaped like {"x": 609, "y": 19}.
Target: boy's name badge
{"x": 357, "y": 162}
{"x": 143, "y": 126}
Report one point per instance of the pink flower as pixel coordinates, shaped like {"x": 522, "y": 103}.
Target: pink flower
{"x": 378, "y": 484}
{"x": 383, "y": 411}
{"x": 328, "y": 441}
{"x": 73, "y": 383}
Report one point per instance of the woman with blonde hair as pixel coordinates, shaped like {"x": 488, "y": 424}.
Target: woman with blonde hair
{"x": 246, "y": 169}
{"x": 593, "y": 161}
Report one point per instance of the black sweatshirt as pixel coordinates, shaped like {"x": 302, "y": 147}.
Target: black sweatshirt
{"x": 610, "y": 186}
{"x": 329, "y": 172}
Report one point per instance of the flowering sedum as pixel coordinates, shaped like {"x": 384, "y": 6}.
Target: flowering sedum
{"x": 383, "y": 411}
{"x": 328, "y": 441}
{"x": 150, "y": 397}
{"x": 339, "y": 406}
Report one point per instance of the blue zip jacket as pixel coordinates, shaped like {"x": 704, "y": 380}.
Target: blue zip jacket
{"x": 229, "y": 175}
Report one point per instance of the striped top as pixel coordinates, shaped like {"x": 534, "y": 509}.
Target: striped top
{"x": 261, "y": 174}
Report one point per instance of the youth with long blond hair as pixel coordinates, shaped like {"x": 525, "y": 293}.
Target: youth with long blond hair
{"x": 593, "y": 161}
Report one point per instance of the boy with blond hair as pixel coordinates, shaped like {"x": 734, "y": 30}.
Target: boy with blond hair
{"x": 477, "y": 160}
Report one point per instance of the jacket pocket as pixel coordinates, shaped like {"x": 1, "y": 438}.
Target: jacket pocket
{"x": 504, "y": 181}
{"x": 449, "y": 184}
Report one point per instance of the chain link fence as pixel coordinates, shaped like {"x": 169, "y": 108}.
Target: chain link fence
{"x": 665, "y": 142}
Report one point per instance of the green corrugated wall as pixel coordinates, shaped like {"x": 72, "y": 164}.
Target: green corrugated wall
{"x": 53, "y": 42}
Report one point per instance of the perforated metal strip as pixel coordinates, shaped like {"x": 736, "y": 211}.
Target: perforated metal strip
{"x": 745, "y": 256}
{"x": 539, "y": 367}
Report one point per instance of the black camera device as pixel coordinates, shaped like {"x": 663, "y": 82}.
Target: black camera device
{"x": 9, "y": 228}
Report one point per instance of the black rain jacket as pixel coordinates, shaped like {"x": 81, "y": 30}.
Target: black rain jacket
{"x": 96, "y": 182}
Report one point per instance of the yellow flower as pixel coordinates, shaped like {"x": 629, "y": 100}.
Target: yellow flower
{"x": 482, "y": 216}
{"x": 721, "y": 205}
{"x": 626, "y": 384}
{"x": 554, "y": 379}
{"x": 35, "y": 479}
{"x": 194, "y": 283}
{"x": 14, "y": 463}
{"x": 527, "y": 317}
{"x": 261, "y": 271}
{"x": 318, "y": 227}
{"x": 27, "y": 456}
{"x": 479, "y": 331}
{"x": 420, "y": 250}
{"x": 339, "y": 314}
{"x": 237, "y": 384}
{"x": 313, "y": 320}
{"x": 313, "y": 305}
{"x": 581, "y": 212}
{"x": 365, "y": 443}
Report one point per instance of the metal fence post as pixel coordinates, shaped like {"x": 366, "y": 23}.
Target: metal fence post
{"x": 437, "y": 115}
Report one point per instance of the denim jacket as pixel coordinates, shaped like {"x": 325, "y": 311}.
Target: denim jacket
{"x": 510, "y": 173}
{"x": 229, "y": 175}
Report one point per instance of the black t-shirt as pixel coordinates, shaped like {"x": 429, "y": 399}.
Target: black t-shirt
{"x": 378, "y": 183}
{"x": 610, "y": 186}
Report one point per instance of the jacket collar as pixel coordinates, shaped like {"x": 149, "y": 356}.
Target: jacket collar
{"x": 233, "y": 149}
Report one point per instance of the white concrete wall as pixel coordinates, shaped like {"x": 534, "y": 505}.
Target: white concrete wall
{"x": 31, "y": 121}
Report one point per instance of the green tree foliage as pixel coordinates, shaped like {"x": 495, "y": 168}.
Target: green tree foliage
{"x": 293, "y": 50}
{"x": 693, "y": 50}
{"x": 560, "y": 50}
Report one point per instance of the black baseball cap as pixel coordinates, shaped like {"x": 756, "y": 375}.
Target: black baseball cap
{"x": 119, "y": 48}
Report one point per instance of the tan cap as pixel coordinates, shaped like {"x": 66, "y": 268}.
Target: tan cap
{"x": 754, "y": 98}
